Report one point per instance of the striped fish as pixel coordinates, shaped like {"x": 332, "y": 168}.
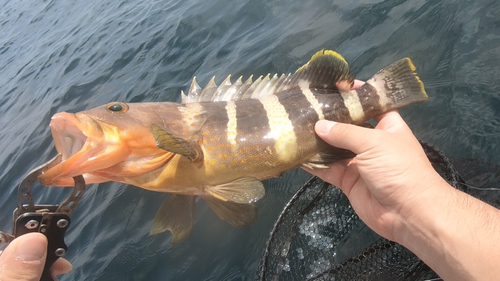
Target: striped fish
{"x": 221, "y": 141}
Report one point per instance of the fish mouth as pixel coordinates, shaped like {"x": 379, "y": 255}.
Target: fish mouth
{"x": 82, "y": 142}
{"x": 69, "y": 138}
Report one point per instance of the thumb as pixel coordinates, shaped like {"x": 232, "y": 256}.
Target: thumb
{"x": 24, "y": 258}
{"x": 342, "y": 135}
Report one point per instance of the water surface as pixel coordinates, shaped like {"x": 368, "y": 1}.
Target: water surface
{"x": 74, "y": 55}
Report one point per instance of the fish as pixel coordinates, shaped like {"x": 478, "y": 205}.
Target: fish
{"x": 220, "y": 142}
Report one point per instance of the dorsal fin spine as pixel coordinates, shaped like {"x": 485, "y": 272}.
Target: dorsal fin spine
{"x": 194, "y": 86}
{"x": 231, "y": 92}
{"x": 194, "y": 92}
{"x": 251, "y": 89}
{"x": 221, "y": 90}
{"x": 326, "y": 70}
{"x": 261, "y": 87}
{"x": 244, "y": 88}
{"x": 184, "y": 98}
{"x": 208, "y": 91}
{"x": 280, "y": 81}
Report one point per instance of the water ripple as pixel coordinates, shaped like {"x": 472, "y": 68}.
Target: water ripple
{"x": 73, "y": 55}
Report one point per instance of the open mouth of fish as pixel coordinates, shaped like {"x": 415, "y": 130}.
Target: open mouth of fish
{"x": 68, "y": 138}
{"x": 83, "y": 146}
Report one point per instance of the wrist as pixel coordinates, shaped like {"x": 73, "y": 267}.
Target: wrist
{"x": 420, "y": 218}
{"x": 453, "y": 232}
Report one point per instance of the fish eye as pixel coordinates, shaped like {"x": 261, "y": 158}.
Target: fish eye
{"x": 117, "y": 107}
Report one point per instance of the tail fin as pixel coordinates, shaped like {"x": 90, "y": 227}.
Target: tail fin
{"x": 398, "y": 85}
{"x": 393, "y": 87}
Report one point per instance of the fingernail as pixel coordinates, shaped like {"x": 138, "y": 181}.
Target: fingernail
{"x": 324, "y": 126}
{"x": 32, "y": 249}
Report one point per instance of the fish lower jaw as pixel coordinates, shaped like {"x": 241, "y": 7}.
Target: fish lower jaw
{"x": 69, "y": 181}
{"x": 51, "y": 182}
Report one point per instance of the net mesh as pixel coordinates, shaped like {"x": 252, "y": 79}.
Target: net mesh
{"x": 318, "y": 236}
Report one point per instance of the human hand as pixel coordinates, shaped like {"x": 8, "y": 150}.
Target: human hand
{"x": 394, "y": 189}
{"x": 389, "y": 176}
{"x": 24, "y": 259}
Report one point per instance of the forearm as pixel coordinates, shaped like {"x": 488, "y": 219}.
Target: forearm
{"x": 457, "y": 235}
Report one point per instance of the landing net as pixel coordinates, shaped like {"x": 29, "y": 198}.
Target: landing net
{"x": 318, "y": 236}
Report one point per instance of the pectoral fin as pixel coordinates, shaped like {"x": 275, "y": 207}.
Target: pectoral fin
{"x": 244, "y": 190}
{"x": 236, "y": 214}
{"x": 169, "y": 142}
{"x": 175, "y": 215}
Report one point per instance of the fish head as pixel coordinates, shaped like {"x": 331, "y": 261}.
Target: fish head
{"x": 107, "y": 143}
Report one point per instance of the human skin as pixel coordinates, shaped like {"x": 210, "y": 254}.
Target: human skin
{"x": 394, "y": 189}
{"x": 24, "y": 259}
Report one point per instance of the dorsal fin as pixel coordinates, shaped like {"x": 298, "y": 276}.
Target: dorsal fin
{"x": 193, "y": 94}
{"x": 326, "y": 70}
{"x": 227, "y": 91}
{"x": 208, "y": 92}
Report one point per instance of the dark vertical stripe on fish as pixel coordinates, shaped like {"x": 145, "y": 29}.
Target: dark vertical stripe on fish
{"x": 301, "y": 113}
{"x": 252, "y": 119}
{"x": 213, "y": 133}
{"x": 253, "y": 133}
{"x": 370, "y": 100}
{"x": 333, "y": 105}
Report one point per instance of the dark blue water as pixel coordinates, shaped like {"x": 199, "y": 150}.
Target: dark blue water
{"x": 74, "y": 55}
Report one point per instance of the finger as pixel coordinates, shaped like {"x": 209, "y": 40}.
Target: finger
{"x": 392, "y": 122}
{"x": 61, "y": 266}
{"x": 350, "y": 178}
{"x": 357, "y": 84}
{"x": 24, "y": 258}
{"x": 345, "y": 136}
{"x": 389, "y": 114}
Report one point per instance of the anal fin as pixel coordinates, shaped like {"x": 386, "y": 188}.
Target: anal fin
{"x": 328, "y": 154}
{"x": 236, "y": 214}
{"x": 243, "y": 190}
{"x": 169, "y": 142}
{"x": 175, "y": 215}
{"x": 313, "y": 166}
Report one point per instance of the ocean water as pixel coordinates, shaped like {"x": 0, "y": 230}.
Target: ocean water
{"x": 74, "y": 55}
